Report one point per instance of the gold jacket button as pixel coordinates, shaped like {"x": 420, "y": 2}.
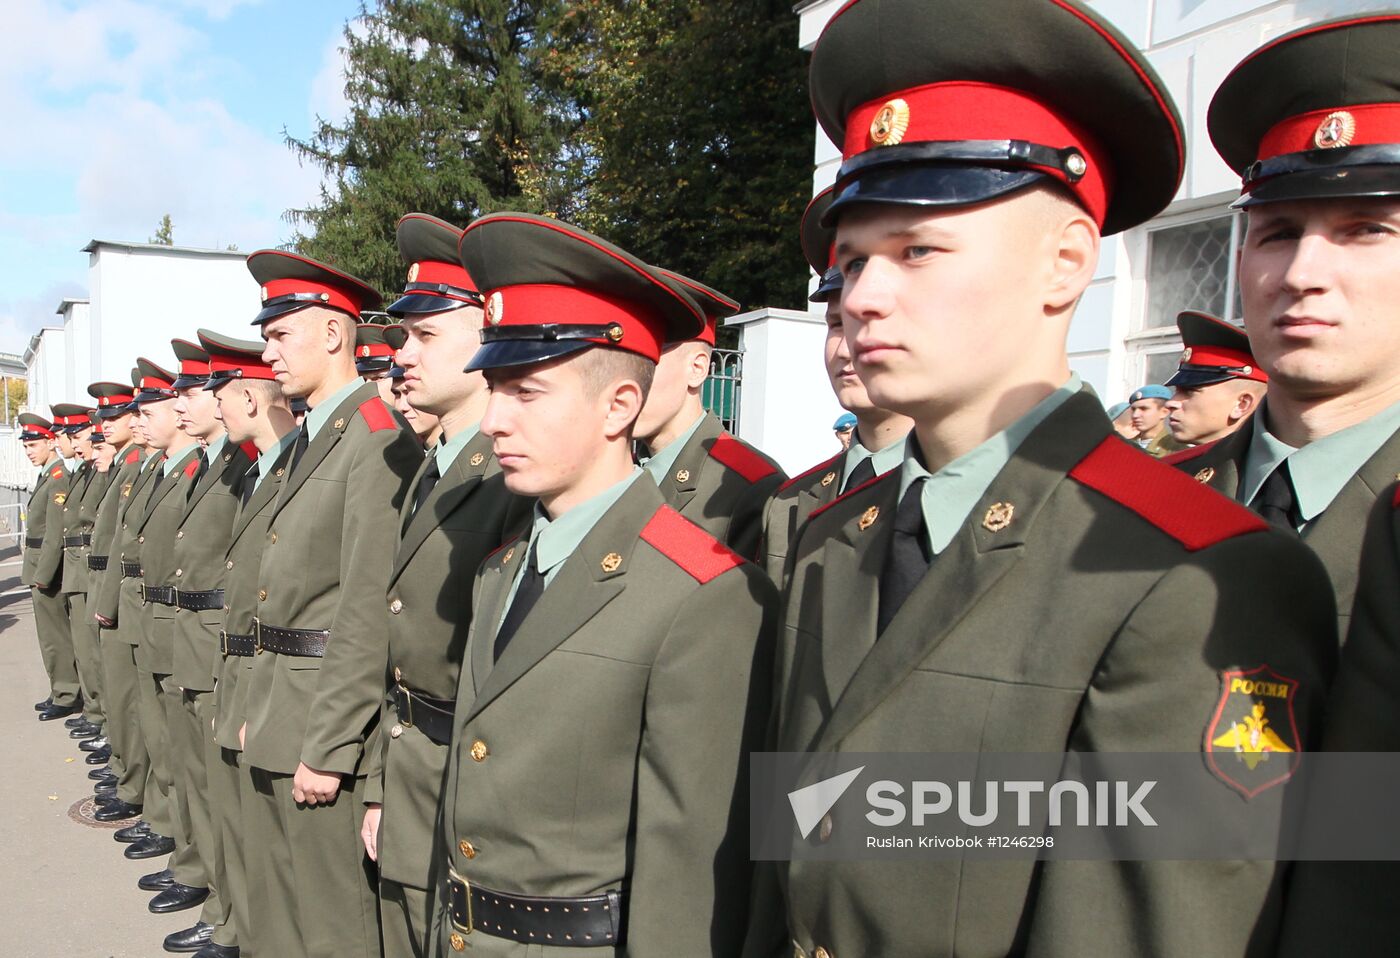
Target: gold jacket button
{"x": 821, "y": 953}
{"x": 262, "y": 595}
{"x": 824, "y": 829}
{"x": 272, "y": 538}
{"x": 467, "y": 849}
{"x": 140, "y": 538}
{"x": 396, "y": 731}
{"x": 179, "y": 572}
{"x": 180, "y": 534}
{"x": 396, "y": 606}
{"x": 228, "y": 564}
{"x": 457, "y": 942}
{"x": 479, "y": 751}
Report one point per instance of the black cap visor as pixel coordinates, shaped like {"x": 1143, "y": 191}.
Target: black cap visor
{"x": 929, "y": 185}
{"x": 112, "y": 412}
{"x": 375, "y": 364}
{"x": 523, "y": 352}
{"x": 414, "y": 303}
{"x": 282, "y": 305}
{"x": 1190, "y": 377}
{"x": 831, "y": 285}
{"x": 1324, "y": 184}
{"x": 152, "y": 395}
{"x": 189, "y": 382}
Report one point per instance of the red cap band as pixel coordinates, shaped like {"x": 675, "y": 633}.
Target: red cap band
{"x": 330, "y": 295}
{"x": 1362, "y": 125}
{"x": 252, "y": 369}
{"x": 40, "y": 430}
{"x": 374, "y": 351}
{"x": 537, "y": 305}
{"x": 440, "y": 273}
{"x": 117, "y": 400}
{"x": 155, "y": 382}
{"x": 944, "y": 112}
{"x": 194, "y": 367}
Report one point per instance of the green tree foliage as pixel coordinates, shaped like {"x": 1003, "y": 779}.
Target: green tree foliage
{"x": 700, "y": 136}
{"x": 451, "y": 114}
{"x": 165, "y": 232}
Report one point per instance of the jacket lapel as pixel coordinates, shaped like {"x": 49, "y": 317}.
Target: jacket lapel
{"x": 167, "y": 483}
{"x": 468, "y": 470}
{"x": 322, "y": 445}
{"x": 579, "y": 590}
{"x": 212, "y": 474}
{"x": 971, "y": 565}
{"x": 680, "y": 486}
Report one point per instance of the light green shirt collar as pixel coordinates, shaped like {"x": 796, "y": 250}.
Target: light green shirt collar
{"x": 882, "y": 461}
{"x": 1319, "y": 469}
{"x": 556, "y": 539}
{"x": 178, "y": 459}
{"x": 266, "y": 459}
{"x": 216, "y": 448}
{"x": 448, "y": 450}
{"x": 316, "y": 418}
{"x": 949, "y": 494}
{"x": 659, "y": 465}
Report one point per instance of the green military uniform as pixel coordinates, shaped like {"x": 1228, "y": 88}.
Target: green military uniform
{"x": 79, "y": 515}
{"x": 118, "y": 664}
{"x": 315, "y": 693}
{"x": 803, "y": 494}
{"x": 158, "y": 696}
{"x": 1336, "y": 480}
{"x": 42, "y": 570}
{"x": 718, "y": 482}
{"x": 201, "y": 547}
{"x": 1163, "y": 444}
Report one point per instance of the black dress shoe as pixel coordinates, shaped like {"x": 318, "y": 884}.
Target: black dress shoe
{"x": 212, "y": 950}
{"x": 103, "y": 799}
{"x": 100, "y": 757}
{"x": 156, "y": 881}
{"x": 152, "y": 846}
{"x": 95, "y": 744}
{"x": 105, "y": 781}
{"x": 97, "y": 774}
{"x": 58, "y": 712}
{"x": 77, "y": 721}
{"x": 84, "y": 732}
{"x": 40, "y": 706}
{"x": 132, "y": 834}
{"x": 191, "y": 939}
{"x": 116, "y": 811}
{"x": 177, "y": 897}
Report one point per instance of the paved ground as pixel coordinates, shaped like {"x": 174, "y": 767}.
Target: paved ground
{"x": 67, "y": 889}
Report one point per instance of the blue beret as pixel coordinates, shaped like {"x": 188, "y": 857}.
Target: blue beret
{"x": 1117, "y": 409}
{"x": 844, "y": 421}
{"x": 1151, "y": 392}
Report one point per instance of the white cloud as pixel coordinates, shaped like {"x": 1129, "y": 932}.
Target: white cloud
{"x": 328, "y": 87}
{"x": 22, "y": 317}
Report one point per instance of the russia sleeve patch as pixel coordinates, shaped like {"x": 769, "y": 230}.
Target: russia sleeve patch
{"x": 698, "y": 553}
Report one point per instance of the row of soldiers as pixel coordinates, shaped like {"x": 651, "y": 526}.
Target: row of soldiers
{"x": 502, "y": 698}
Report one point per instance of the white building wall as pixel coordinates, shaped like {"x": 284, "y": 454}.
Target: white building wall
{"x": 79, "y": 356}
{"x": 48, "y": 371}
{"x": 1193, "y": 44}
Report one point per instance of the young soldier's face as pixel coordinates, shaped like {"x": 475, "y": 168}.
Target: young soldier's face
{"x": 420, "y": 421}
{"x": 196, "y": 412}
{"x": 82, "y": 444}
{"x": 37, "y": 450}
{"x": 943, "y": 308}
{"x": 117, "y": 430}
{"x": 234, "y": 404}
{"x": 159, "y": 422}
{"x": 1320, "y": 281}
{"x": 840, "y": 370}
{"x": 680, "y": 365}
{"x": 1203, "y": 413}
{"x": 298, "y": 347}
{"x": 64, "y": 444}
{"x": 1146, "y": 415}
{"x": 103, "y": 454}
{"x": 433, "y": 358}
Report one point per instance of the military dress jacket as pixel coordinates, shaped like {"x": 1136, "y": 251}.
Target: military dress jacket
{"x": 103, "y": 583}
{"x": 1336, "y": 534}
{"x": 126, "y": 590}
{"x": 325, "y": 566}
{"x": 200, "y": 551}
{"x": 722, "y": 484}
{"x": 79, "y": 514}
{"x": 608, "y": 747}
{"x": 1094, "y": 600}
{"x": 795, "y": 500}
{"x": 43, "y": 552}
{"x": 467, "y": 516}
{"x": 241, "y": 561}
{"x": 155, "y": 533}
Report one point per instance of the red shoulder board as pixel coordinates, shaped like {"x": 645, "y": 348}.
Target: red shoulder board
{"x": 249, "y": 450}
{"x": 131, "y": 456}
{"x": 1172, "y": 501}
{"x": 825, "y": 466}
{"x": 191, "y": 467}
{"x": 1186, "y": 455}
{"x": 687, "y": 545}
{"x": 1395, "y": 500}
{"x": 377, "y": 415}
{"x": 850, "y": 492}
{"x": 57, "y": 473}
{"x": 742, "y": 458}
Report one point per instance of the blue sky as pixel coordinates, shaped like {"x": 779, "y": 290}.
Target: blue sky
{"x": 119, "y": 111}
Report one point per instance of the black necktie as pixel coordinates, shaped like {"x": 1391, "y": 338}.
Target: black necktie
{"x": 159, "y": 477}
{"x": 426, "y": 483}
{"x": 299, "y": 447}
{"x": 250, "y": 481}
{"x": 908, "y": 558}
{"x": 526, "y": 595}
{"x": 861, "y": 474}
{"x": 1276, "y": 500}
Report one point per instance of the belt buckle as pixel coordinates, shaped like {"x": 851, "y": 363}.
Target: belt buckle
{"x": 141, "y": 591}
{"x": 407, "y": 720}
{"x": 466, "y": 897}
{"x": 223, "y": 643}
{"x": 176, "y": 590}
{"x": 257, "y": 636}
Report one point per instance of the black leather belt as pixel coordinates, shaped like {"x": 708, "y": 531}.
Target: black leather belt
{"x": 33, "y": 542}
{"x": 307, "y": 643}
{"x": 432, "y": 717}
{"x": 206, "y": 601}
{"x": 97, "y": 563}
{"x": 240, "y": 645}
{"x": 159, "y": 594}
{"x": 566, "y": 922}
{"x": 75, "y": 542}
{"x": 131, "y": 570}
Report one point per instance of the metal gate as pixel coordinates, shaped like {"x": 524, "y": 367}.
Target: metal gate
{"x": 721, "y": 391}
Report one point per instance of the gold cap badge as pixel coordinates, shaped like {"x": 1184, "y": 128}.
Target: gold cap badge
{"x": 615, "y": 332}
{"x": 890, "y": 124}
{"x": 868, "y": 517}
{"x": 998, "y": 516}
{"x": 495, "y": 308}
{"x": 413, "y": 273}
{"x": 1336, "y": 130}
{"x": 611, "y": 562}
{"x": 1186, "y": 355}
{"x": 264, "y": 293}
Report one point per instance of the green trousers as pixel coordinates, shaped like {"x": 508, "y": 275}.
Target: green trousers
{"x": 56, "y": 644}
